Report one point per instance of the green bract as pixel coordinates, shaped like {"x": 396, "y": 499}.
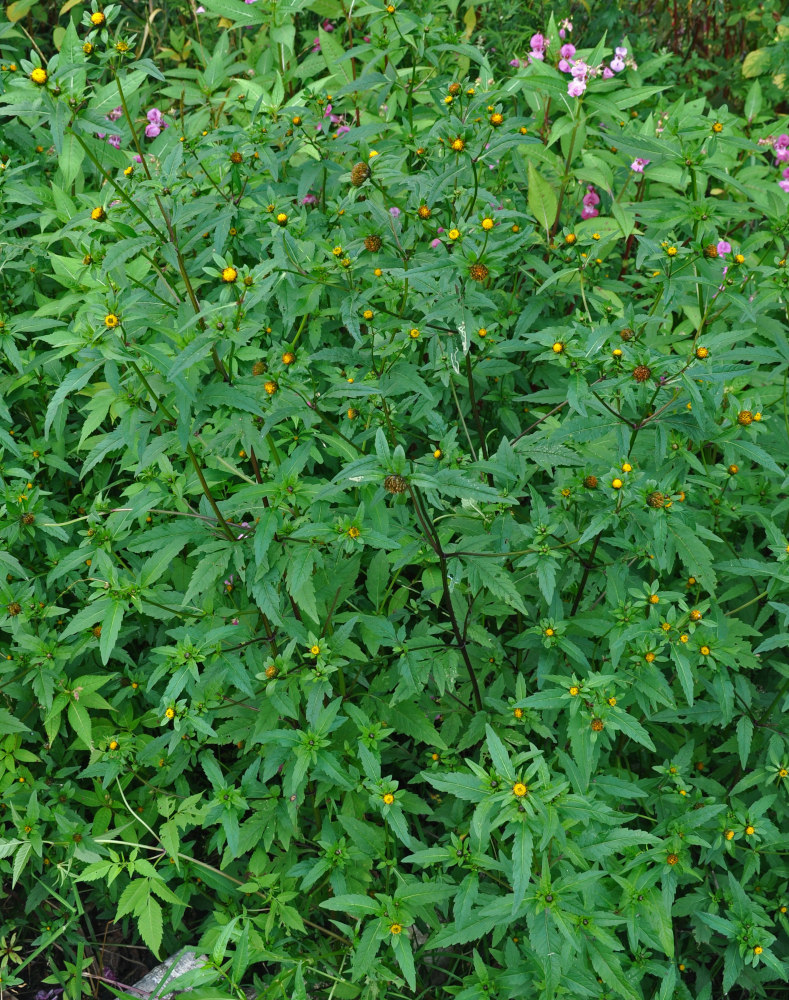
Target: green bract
{"x": 395, "y": 571}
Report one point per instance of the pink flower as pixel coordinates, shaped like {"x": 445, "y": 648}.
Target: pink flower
{"x": 617, "y": 64}
{"x": 537, "y": 54}
{"x": 607, "y": 72}
{"x": 564, "y": 66}
{"x": 589, "y": 212}
{"x": 137, "y": 158}
{"x": 115, "y": 114}
{"x": 638, "y": 165}
{"x": 591, "y": 198}
{"x": 316, "y": 45}
{"x": 309, "y": 199}
{"x": 784, "y": 186}
{"x": 200, "y": 10}
{"x": 575, "y": 88}
{"x": 342, "y": 129}
{"x": 515, "y": 62}
{"x": 538, "y": 41}
{"x": 327, "y": 25}
{"x": 394, "y": 211}
{"x": 101, "y": 135}
{"x": 579, "y": 69}
{"x": 567, "y": 51}
{"x": 235, "y": 620}
{"x": 435, "y": 243}
{"x": 723, "y": 247}
{"x": 620, "y": 51}
{"x": 115, "y": 141}
{"x": 151, "y": 131}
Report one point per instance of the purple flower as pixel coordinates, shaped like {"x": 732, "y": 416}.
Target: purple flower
{"x": 200, "y": 10}
{"x": 564, "y": 66}
{"x": 538, "y": 41}
{"x": 579, "y": 69}
{"x": 567, "y": 51}
{"x": 516, "y": 63}
{"x": 537, "y": 54}
{"x": 607, "y": 72}
{"x": 115, "y": 114}
{"x": 575, "y": 88}
{"x": 435, "y": 243}
{"x": 617, "y": 64}
{"x": 235, "y": 620}
{"x": 316, "y": 45}
{"x": 342, "y": 129}
{"x": 151, "y": 131}
{"x": 589, "y": 212}
{"x": 394, "y": 211}
{"x": 723, "y": 247}
{"x": 327, "y": 25}
{"x": 115, "y": 141}
{"x": 621, "y": 51}
{"x": 638, "y": 165}
{"x": 309, "y": 199}
{"x": 784, "y": 186}
{"x": 101, "y": 135}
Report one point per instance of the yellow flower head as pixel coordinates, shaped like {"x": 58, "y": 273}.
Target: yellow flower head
{"x": 39, "y": 76}
{"x": 97, "y": 18}
{"x": 437, "y": 453}
{"x": 574, "y": 691}
{"x": 558, "y": 347}
{"x": 454, "y": 234}
{"x": 98, "y": 214}
{"x": 229, "y": 275}
{"x": 170, "y": 713}
{"x": 113, "y": 744}
{"x": 111, "y": 321}
{"x": 413, "y": 333}
{"x": 519, "y": 789}
{"x": 395, "y": 929}
{"x": 617, "y": 484}
{"x": 367, "y": 314}
{"x": 487, "y": 223}
{"x": 388, "y": 799}
{"x": 457, "y": 145}
{"x": 671, "y": 251}
{"x": 315, "y": 650}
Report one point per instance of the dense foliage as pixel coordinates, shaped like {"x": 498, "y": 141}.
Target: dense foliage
{"x": 395, "y": 570}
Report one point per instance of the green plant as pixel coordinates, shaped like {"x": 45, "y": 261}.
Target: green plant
{"x": 394, "y": 472}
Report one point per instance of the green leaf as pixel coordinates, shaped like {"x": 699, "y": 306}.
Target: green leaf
{"x": 149, "y": 922}
{"x": 110, "y": 627}
{"x": 401, "y": 946}
{"x": 80, "y": 723}
{"x": 521, "y": 865}
{"x": 744, "y": 737}
{"x": 543, "y": 203}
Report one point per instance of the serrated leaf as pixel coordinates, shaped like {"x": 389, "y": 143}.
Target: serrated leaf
{"x": 744, "y": 737}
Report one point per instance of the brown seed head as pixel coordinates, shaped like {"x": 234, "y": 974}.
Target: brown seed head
{"x": 28, "y": 519}
{"x": 373, "y": 243}
{"x": 745, "y": 417}
{"x": 359, "y": 174}
{"x": 236, "y": 157}
{"x": 626, "y": 334}
{"x": 590, "y": 482}
{"x": 259, "y": 367}
{"x": 641, "y": 373}
{"x": 710, "y": 251}
{"x": 478, "y": 272}
{"x": 656, "y": 499}
{"x": 395, "y": 484}
{"x": 14, "y": 608}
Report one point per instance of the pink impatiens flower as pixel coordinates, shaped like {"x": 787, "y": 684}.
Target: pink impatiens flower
{"x": 638, "y": 165}
{"x": 617, "y": 64}
{"x": 723, "y": 247}
{"x": 575, "y": 88}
